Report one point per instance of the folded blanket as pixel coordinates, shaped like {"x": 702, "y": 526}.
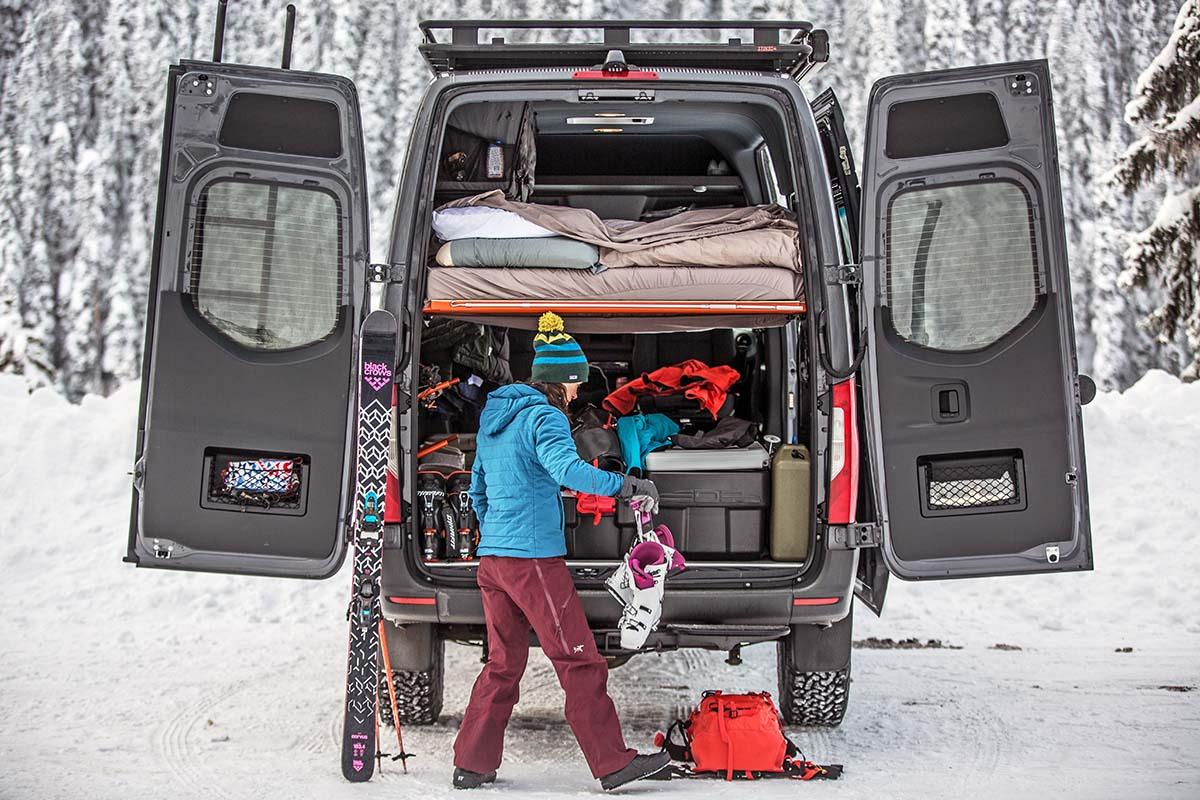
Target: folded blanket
{"x": 554, "y": 252}
{"x": 770, "y": 232}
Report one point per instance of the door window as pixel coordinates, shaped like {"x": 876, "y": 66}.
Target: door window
{"x": 266, "y": 263}
{"x": 961, "y": 264}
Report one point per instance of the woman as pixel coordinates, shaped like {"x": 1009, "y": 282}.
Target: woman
{"x": 524, "y": 454}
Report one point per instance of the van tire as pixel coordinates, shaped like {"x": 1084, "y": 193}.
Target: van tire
{"x": 814, "y": 698}
{"x": 418, "y": 692}
{"x": 814, "y": 673}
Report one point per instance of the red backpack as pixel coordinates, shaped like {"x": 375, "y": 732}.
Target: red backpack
{"x": 740, "y": 734}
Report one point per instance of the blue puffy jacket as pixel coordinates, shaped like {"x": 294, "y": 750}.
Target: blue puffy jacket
{"x": 524, "y": 453}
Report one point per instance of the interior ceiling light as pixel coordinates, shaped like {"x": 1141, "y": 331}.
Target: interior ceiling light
{"x": 607, "y": 130}
{"x": 603, "y": 119}
{"x": 610, "y": 114}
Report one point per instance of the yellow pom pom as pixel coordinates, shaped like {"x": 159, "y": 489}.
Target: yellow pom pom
{"x": 550, "y": 322}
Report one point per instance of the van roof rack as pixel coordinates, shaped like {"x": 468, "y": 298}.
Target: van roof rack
{"x": 793, "y": 48}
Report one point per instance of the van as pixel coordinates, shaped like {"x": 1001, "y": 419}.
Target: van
{"x": 918, "y": 357}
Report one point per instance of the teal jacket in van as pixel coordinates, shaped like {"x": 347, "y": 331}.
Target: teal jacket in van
{"x": 524, "y": 453}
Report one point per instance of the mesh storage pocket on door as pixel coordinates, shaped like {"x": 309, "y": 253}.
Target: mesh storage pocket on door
{"x": 972, "y": 483}
{"x": 237, "y": 480}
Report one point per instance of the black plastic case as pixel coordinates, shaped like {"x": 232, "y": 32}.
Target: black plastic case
{"x": 713, "y": 516}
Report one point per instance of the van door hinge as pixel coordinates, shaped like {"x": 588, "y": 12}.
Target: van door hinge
{"x": 387, "y": 273}
{"x": 403, "y": 400}
{"x": 854, "y": 536}
{"x": 844, "y": 275}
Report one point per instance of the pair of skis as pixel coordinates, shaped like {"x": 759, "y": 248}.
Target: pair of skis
{"x": 360, "y": 737}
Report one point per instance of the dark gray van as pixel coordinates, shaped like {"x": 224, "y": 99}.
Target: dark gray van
{"x": 924, "y": 354}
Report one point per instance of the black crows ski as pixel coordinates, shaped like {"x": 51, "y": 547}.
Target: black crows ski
{"x": 377, "y": 349}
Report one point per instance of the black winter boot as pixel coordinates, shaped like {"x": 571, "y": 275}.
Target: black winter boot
{"x": 465, "y": 779}
{"x": 644, "y": 765}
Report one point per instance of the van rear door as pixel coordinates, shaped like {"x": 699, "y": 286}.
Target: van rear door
{"x": 257, "y": 282}
{"x": 872, "y": 575}
{"x": 971, "y": 383}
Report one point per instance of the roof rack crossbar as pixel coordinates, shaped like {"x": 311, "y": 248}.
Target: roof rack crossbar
{"x": 790, "y": 47}
{"x": 615, "y": 31}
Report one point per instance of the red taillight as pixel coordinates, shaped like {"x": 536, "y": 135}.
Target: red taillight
{"x": 843, "y": 454}
{"x": 391, "y": 500}
{"x": 629, "y": 74}
{"x": 414, "y": 601}
{"x": 815, "y": 601}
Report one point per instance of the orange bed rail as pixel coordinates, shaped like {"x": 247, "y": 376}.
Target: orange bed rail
{"x": 618, "y": 308}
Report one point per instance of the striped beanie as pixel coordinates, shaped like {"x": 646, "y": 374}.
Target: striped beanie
{"x": 557, "y": 358}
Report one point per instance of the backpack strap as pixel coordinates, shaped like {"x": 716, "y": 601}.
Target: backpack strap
{"x": 679, "y": 752}
{"x": 725, "y": 737}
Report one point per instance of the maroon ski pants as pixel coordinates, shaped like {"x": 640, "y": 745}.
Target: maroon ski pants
{"x": 519, "y": 593}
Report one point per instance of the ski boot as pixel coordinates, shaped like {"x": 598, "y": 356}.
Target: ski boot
{"x": 431, "y": 494}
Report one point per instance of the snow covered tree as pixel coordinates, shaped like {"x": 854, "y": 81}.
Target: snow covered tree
{"x": 1166, "y": 110}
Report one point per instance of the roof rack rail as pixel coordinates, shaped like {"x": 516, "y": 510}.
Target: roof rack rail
{"x": 789, "y": 47}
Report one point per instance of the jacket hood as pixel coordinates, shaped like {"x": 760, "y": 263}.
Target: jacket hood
{"x": 506, "y": 404}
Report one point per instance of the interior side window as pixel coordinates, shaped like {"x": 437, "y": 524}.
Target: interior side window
{"x": 961, "y": 264}
{"x": 770, "y": 180}
{"x": 266, "y": 263}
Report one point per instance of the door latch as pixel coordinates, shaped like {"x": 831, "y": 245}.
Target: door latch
{"x": 387, "y": 273}
{"x": 855, "y": 536}
{"x": 844, "y": 275}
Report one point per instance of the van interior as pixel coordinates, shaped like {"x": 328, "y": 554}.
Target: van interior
{"x": 629, "y": 161}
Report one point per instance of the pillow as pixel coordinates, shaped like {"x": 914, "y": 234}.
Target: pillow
{"x": 483, "y": 222}
{"x": 558, "y": 251}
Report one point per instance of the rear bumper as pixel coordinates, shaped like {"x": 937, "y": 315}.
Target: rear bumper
{"x": 743, "y": 611}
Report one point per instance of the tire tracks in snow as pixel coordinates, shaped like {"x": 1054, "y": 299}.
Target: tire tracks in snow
{"x": 174, "y": 740}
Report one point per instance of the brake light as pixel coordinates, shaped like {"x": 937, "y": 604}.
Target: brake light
{"x": 629, "y": 74}
{"x": 843, "y": 455}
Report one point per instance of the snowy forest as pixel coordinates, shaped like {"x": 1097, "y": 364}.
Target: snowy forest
{"x": 82, "y": 84}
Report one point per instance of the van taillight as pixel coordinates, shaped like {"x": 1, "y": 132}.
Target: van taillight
{"x": 843, "y": 455}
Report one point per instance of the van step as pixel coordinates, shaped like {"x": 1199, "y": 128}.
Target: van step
{"x": 767, "y": 631}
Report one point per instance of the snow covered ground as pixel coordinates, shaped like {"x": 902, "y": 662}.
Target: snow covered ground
{"x": 116, "y": 682}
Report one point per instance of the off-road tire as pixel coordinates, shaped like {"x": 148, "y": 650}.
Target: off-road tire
{"x": 418, "y": 694}
{"x": 812, "y": 698}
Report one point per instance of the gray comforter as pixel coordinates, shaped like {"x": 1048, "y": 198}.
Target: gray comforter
{"x": 753, "y": 236}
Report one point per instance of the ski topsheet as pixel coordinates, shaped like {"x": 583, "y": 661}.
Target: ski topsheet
{"x": 377, "y": 349}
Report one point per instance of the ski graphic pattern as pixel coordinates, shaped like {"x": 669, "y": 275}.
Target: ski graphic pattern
{"x": 373, "y": 440}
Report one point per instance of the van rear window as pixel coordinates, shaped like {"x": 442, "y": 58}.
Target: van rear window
{"x": 945, "y": 125}
{"x": 961, "y": 264}
{"x": 266, "y": 263}
{"x": 295, "y": 125}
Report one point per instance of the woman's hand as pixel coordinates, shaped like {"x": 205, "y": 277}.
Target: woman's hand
{"x": 641, "y": 490}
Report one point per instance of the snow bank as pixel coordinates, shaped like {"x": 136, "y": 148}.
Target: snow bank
{"x": 1142, "y": 448}
{"x": 64, "y": 509}
{"x": 65, "y": 484}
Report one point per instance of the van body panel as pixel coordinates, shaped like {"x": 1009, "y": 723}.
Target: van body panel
{"x": 974, "y": 420}
{"x": 257, "y": 284}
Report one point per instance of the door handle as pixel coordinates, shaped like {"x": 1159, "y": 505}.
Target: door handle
{"x": 949, "y": 402}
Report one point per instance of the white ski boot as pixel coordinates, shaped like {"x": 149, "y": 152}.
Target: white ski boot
{"x": 648, "y": 564}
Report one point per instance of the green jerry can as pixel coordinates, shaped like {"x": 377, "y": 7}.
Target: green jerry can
{"x": 791, "y": 503}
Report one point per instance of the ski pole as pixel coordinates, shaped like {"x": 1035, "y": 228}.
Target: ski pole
{"x": 387, "y": 669}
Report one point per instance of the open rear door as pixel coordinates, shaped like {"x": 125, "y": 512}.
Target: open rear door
{"x": 258, "y": 275}
{"x": 871, "y": 578}
{"x": 972, "y": 386}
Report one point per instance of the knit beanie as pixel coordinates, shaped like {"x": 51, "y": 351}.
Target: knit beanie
{"x": 557, "y": 358}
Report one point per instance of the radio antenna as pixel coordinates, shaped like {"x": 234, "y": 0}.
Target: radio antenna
{"x": 289, "y": 29}
{"x": 219, "y": 36}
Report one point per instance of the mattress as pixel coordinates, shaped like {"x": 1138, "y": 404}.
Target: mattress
{"x": 675, "y": 284}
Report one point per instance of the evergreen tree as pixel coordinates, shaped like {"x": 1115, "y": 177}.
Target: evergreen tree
{"x": 1166, "y": 111}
